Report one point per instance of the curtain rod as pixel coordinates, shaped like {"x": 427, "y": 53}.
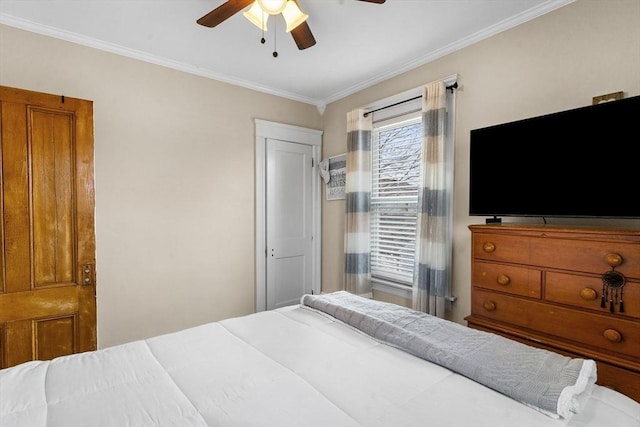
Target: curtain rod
{"x": 451, "y": 88}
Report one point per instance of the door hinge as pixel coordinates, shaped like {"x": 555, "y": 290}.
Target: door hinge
{"x": 312, "y": 162}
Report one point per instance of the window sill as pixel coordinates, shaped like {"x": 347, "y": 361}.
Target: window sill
{"x": 391, "y": 287}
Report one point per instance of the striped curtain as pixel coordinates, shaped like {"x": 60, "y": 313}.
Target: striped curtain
{"x": 432, "y": 274}
{"x": 358, "y": 204}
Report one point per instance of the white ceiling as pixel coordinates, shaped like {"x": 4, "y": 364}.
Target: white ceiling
{"x": 358, "y": 43}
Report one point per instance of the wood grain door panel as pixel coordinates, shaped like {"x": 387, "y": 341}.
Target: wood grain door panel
{"x": 55, "y": 337}
{"x": 47, "y": 292}
{"x": 15, "y": 196}
{"x": 53, "y": 197}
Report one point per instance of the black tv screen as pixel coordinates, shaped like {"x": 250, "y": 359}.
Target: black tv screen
{"x": 576, "y": 163}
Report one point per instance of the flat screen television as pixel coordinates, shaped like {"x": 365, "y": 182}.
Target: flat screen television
{"x": 577, "y": 163}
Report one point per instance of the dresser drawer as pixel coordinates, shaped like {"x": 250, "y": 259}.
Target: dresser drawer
{"x": 587, "y": 256}
{"x": 586, "y": 292}
{"x": 498, "y": 247}
{"x": 587, "y": 329}
{"x": 505, "y": 278}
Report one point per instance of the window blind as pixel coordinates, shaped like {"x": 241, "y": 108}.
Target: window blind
{"x": 396, "y": 157}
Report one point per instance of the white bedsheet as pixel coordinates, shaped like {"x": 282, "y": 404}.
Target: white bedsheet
{"x": 288, "y": 367}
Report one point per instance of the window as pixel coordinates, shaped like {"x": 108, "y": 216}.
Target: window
{"x": 395, "y": 169}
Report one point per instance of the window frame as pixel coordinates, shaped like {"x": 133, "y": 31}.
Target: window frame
{"x": 411, "y": 115}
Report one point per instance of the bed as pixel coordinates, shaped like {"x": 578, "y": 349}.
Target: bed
{"x": 333, "y": 360}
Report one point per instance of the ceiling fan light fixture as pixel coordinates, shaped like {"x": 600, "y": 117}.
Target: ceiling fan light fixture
{"x": 293, "y": 16}
{"x": 257, "y": 16}
{"x": 272, "y": 7}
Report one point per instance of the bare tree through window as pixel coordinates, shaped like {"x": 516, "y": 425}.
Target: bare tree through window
{"x": 396, "y": 157}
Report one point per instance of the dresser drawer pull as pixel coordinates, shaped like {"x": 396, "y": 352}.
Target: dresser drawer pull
{"x": 612, "y": 335}
{"x": 504, "y": 280}
{"x": 488, "y": 247}
{"x": 588, "y": 294}
{"x": 613, "y": 260}
{"x": 489, "y": 305}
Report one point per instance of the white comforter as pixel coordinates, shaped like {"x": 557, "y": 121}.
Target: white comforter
{"x": 290, "y": 367}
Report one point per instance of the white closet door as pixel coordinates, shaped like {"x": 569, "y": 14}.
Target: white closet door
{"x": 289, "y": 222}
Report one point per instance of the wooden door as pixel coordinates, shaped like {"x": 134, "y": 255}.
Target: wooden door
{"x": 289, "y": 222}
{"x": 47, "y": 280}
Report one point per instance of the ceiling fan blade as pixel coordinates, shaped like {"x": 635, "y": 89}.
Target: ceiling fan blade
{"x": 374, "y": 1}
{"x": 223, "y": 12}
{"x": 303, "y": 36}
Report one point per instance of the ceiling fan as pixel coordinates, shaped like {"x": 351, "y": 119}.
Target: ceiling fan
{"x": 299, "y": 29}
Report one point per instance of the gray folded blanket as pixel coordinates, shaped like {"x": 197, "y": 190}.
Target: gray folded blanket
{"x": 553, "y": 384}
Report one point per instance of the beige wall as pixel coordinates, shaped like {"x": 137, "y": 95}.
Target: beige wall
{"x": 174, "y": 171}
{"x": 555, "y": 62}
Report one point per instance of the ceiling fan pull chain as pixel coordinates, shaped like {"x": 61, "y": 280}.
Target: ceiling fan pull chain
{"x": 262, "y": 40}
{"x": 275, "y": 44}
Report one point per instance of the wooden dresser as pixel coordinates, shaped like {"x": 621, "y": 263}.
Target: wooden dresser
{"x": 543, "y": 285}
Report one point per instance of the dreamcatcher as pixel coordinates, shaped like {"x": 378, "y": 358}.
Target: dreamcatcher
{"x": 612, "y": 288}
